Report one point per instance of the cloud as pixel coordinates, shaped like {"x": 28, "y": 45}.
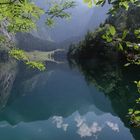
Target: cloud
{"x": 58, "y": 120}
{"x": 84, "y": 130}
{"x": 113, "y": 126}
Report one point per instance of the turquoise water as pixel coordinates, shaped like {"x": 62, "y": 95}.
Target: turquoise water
{"x": 60, "y": 104}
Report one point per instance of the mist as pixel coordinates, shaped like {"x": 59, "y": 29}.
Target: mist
{"x": 82, "y": 19}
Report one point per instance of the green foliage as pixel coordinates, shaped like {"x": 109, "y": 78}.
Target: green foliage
{"x": 21, "y": 55}
{"x": 58, "y": 10}
{"x": 137, "y": 33}
{"x": 120, "y": 47}
{"x": 18, "y": 54}
{"x": 22, "y": 16}
{"x": 126, "y": 40}
{"x": 134, "y": 113}
{"x": 39, "y": 65}
{"x": 112, "y": 30}
{"x": 138, "y": 85}
{"x": 109, "y": 34}
{"x": 125, "y": 32}
{"x": 135, "y": 117}
{"x": 119, "y": 39}
{"x": 2, "y": 38}
{"x": 127, "y": 64}
{"x": 50, "y": 22}
{"x": 116, "y": 4}
{"x": 89, "y": 2}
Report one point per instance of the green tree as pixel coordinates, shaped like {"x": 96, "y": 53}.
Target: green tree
{"x": 22, "y": 16}
{"x": 111, "y": 35}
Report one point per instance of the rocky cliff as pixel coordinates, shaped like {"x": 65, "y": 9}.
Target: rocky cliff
{"x": 8, "y": 67}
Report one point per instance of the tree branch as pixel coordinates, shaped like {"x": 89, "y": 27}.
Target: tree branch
{"x": 10, "y": 2}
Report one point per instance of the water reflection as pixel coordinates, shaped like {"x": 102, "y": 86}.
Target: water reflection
{"x": 60, "y": 103}
{"x": 115, "y": 81}
{"x": 88, "y": 126}
{"x": 84, "y": 130}
{"x": 113, "y": 126}
{"x": 8, "y": 70}
{"x": 58, "y": 120}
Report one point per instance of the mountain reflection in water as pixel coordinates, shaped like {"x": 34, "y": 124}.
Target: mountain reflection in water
{"x": 63, "y": 103}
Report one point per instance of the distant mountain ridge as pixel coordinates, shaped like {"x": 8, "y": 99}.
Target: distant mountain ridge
{"x": 29, "y": 42}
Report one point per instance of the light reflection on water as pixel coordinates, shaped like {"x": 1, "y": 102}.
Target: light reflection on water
{"x": 93, "y": 129}
{"x": 59, "y": 105}
{"x": 87, "y": 126}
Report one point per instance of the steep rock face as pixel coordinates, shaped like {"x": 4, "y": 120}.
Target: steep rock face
{"x": 9, "y": 38}
{"x": 7, "y": 67}
{"x": 126, "y": 19}
{"x": 7, "y": 76}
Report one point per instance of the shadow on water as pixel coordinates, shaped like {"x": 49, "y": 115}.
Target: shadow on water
{"x": 115, "y": 81}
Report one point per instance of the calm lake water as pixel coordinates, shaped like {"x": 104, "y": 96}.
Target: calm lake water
{"x": 88, "y": 100}
{"x": 61, "y": 103}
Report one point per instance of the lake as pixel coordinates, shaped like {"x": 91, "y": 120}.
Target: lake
{"x": 86, "y": 100}
{"x": 61, "y": 103}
